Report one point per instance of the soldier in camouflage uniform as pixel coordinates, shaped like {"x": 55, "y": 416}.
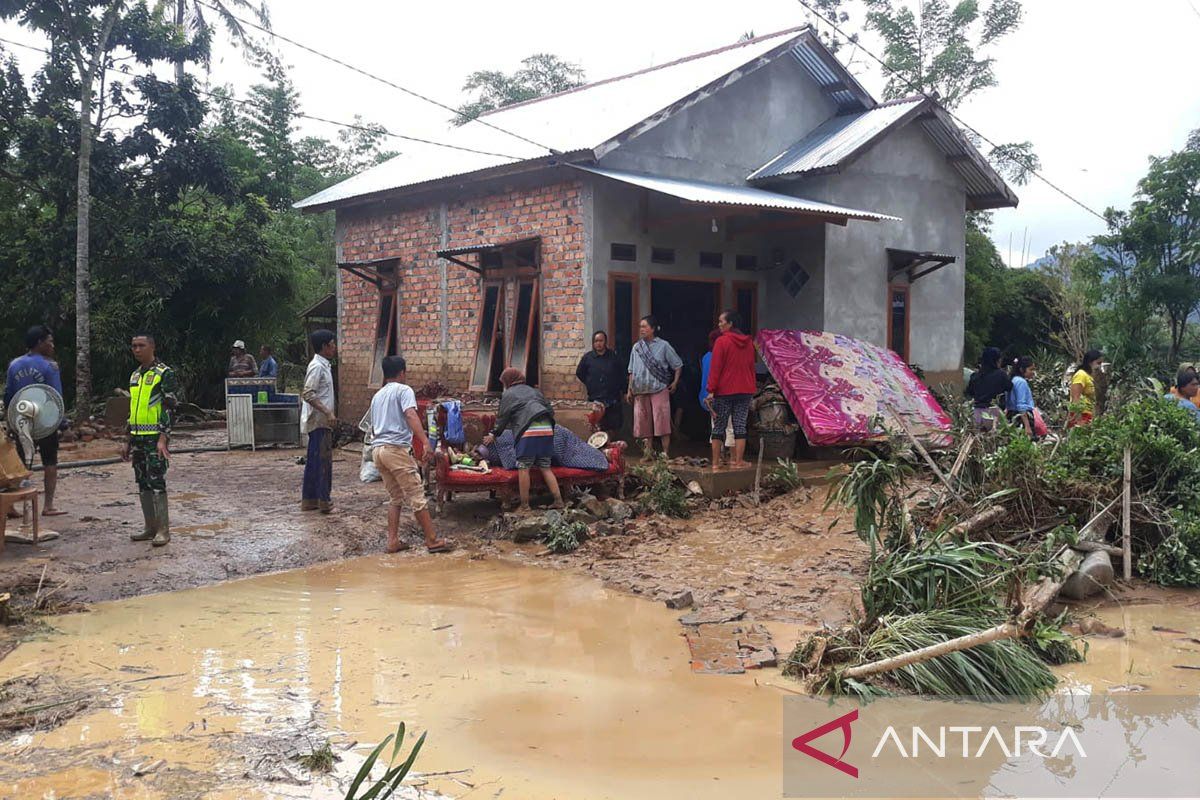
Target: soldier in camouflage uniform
{"x": 151, "y": 402}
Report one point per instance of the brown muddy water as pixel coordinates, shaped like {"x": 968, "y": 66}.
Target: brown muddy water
{"x": 531, "y": 683}
{"x": 540, "y": 683}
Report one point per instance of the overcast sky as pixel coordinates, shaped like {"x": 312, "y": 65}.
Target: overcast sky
{"x": 1097, "y": 85}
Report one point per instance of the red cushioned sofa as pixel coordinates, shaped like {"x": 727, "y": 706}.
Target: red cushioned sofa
{"x": 503, "y": 482}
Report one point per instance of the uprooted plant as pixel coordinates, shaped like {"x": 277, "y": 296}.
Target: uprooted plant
{"x": 387, "y": 785}
{"x": 664, "y": 494}
{"x": 962, "y": 572}
{"x": 563, "y": 536}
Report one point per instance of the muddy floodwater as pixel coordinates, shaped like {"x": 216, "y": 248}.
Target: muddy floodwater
{"x": 538, "y": 682}
{"x": 531, "y": 683}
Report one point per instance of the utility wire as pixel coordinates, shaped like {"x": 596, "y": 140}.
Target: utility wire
{"x": 375, "y": 77}
{"x": 953, "y": 116}
{"x": 301, "y": 115}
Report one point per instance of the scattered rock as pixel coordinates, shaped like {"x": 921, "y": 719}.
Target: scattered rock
{"x": 604, "y": 528}
{"x": 596, "y": 507}
{"x": 578, "y": 515}
{"x": 681, "y": 600}
{"x": 527, "y": 529}
{"x": 712, "y": 615}
{"x": 618, "y": 510}
{"x": 694, "y": 488}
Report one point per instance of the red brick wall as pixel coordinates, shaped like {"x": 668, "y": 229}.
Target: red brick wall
{"x": 413, "y": 235}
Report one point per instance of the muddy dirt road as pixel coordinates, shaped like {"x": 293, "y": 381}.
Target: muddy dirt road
{"x": 237, "y": 513}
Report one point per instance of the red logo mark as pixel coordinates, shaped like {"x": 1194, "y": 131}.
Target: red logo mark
{"x": 801, "y": 743}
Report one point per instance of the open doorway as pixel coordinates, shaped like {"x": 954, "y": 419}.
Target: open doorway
{"x": 687, "y": 310}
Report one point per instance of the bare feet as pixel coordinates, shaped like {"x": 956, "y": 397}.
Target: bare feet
{"x": 558, "y": 505}
{"x": 52, "y": 512}
{"x": 740, "y": 465}
{"x": 524, "y": 509}
{"x": 397, "y": 546}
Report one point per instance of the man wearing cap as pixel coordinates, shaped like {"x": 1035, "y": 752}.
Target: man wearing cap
{"x": 241, "y": 363}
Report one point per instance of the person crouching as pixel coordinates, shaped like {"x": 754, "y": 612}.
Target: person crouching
{"x": 394, "y": 424}
{"x": 526, "y": 412}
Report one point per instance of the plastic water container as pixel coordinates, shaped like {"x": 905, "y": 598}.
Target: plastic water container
{"x": 262, "y": 398}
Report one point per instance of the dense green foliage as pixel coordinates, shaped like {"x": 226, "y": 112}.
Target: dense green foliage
{"x": 664, "y": 494}
{"x": 541, "y": 74}
{"x": 192, "y": 232}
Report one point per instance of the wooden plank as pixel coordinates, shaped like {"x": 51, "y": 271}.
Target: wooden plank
{"x": 1126, "y": 523}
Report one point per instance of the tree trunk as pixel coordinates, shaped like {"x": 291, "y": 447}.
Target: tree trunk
{"x": 83, "y": 214}
{"x": 180, "y": 7}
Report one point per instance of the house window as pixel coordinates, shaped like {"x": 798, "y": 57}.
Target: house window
{"x": 623, "y": 252}
{"x": 662, "y": 255}
{"x": 898, "y": 316}
{"x": 745, "y": 301}
{"x": 746, "y": 263}
{"x": 489, "y": 345}
{"x": 526, "y": 333}
{"x": 387, "y": 333}
{"x": 794, "y": 278}
{"x": 622, "y": 313}
{"x": 711, "y": 260}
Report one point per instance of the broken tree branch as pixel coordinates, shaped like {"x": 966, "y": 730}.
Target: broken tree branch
{"x": 981, "y": 520}
{"x": 920, "y": 448}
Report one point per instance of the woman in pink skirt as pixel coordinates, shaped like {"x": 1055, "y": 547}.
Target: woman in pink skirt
{"x": 654, "y": 371}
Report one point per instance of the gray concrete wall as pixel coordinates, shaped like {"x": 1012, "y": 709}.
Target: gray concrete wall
{"x": 731, "y": 133}
{"x": 907, "y": 176}
{"x": 617, "y": 217}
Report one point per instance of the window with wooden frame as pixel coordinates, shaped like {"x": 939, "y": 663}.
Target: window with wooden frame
{"x": 745, "y": 302}
{"x": 489, "y": 340}
{"x": 387, "y": 327}
{"x": 622, "y": 312}
{"x": 526, "y": 331}
{"x": 899, "y": 313}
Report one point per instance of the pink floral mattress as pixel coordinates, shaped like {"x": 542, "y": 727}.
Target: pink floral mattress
{"x": 837, "y": 385}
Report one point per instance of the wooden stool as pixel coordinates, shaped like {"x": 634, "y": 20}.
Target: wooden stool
{"x": 8, "y": 500}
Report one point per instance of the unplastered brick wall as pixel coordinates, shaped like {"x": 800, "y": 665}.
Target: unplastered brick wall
{"x": 414, "y": 235}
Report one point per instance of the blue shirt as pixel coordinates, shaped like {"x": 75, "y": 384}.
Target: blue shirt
{"x": 705, "y": 363}
{"x": 28, "y": 370}
{"x": 1020, "y": 398}
{"x": 269, "y": 368}
{"x": 1185, "y": 404}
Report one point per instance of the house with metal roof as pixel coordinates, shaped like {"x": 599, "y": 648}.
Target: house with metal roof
{"x": 760, "y": 177}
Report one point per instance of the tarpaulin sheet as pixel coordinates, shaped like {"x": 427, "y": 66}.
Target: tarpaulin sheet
{"x": 840, "y": 388}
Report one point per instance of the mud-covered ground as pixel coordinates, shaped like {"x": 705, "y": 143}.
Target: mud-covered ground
{"x": 237, "y": 513}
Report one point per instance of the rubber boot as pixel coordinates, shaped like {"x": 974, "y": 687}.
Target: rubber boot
{"x": 163, "y": 530}
{"x": 147, "y": 498}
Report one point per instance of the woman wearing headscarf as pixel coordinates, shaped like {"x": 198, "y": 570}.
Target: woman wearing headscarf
{"x": 527, "y": 413}
{"x": 987, "y": 389}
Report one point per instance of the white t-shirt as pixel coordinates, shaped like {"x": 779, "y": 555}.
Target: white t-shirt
{"x": 387, "y": 415}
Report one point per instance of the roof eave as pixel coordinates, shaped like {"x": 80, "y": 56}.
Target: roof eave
{"x": 498, "y": 171}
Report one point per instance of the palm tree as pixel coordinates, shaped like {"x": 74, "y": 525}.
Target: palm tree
{"x": 190, "y": 17}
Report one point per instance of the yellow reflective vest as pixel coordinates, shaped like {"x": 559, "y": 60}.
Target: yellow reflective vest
{"x": 148, "y": 406}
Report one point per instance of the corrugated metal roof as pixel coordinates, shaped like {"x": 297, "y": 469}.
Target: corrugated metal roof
{"x": 841, "y": 139}
{"x": 579, "y": 119}
{"x": 587, "y": 118}
{"x": 745, "y": 196}
{"x": 836, "y": 140}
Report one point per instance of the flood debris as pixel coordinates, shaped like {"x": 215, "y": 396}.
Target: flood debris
{"x": 40, "y": 702}
{"x": 728, "y": 647}
{"x": 680, "y": 600}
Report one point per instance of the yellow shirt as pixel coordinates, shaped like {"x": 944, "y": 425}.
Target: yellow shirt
{"x": 1088, "y": 390}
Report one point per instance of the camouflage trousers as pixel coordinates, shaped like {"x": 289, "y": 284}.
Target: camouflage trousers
{"x": 149, "y": 468}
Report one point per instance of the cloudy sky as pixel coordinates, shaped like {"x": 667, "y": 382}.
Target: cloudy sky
{"x": 1097, "y": 85}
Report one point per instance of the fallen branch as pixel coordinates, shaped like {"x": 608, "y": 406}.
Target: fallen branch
{"x": 1092, "y": 547}
{"x": 920, "y": 448}
{"x": 1035, "y": 600}
{"x": 981, "y": 520}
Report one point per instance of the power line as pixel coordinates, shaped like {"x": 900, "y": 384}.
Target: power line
{"x": 914, "y": 87}
{"x": 313, "y": 117}
{"x": 375, "y": 77}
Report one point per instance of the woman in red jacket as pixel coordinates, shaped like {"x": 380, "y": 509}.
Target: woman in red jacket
{"x": 731, "y": 386}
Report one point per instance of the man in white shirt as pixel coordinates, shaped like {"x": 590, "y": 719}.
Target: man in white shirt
{"x": 394, "y": 423}
{"x": 318, "y": 420}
